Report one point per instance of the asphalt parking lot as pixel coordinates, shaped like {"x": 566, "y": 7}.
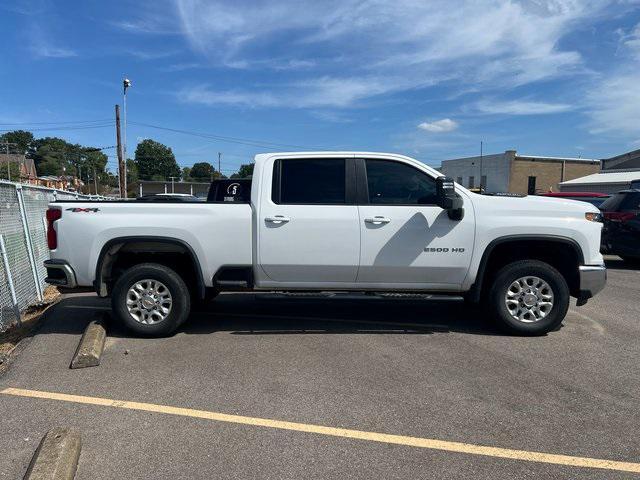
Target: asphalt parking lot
{"x": 414, "y": 369}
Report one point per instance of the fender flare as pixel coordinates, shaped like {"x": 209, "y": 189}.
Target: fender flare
{"x": 475, "y": 290}
{"x": 147, "y": 238}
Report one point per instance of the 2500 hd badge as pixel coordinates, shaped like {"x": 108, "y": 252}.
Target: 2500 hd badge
{"x": 443, "y": 249}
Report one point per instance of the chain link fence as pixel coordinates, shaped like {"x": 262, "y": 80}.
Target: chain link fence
{"x": 23, "y": 246}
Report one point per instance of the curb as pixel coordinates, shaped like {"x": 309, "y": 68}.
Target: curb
{"x": 91, "y": 344}
{"x": 56, "y": 458}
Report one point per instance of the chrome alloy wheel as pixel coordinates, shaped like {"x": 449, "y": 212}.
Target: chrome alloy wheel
{"x": 149, "y": 301}
{"x": 529, "y": 299}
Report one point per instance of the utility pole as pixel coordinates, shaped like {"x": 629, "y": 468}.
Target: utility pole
{"x": 481, "y": 185}
{"x": 95, "y": 181}
{"x": 126, "y": 83}
{"x": 8, "y": 162}
{"x": 6, "y": 146}
{"x": 121, "y": 169}
{"x": 219, "y": 169}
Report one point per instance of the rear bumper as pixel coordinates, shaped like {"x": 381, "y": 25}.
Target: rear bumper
{"x": 592, "y": 280}
{"x": 60, "y": 274}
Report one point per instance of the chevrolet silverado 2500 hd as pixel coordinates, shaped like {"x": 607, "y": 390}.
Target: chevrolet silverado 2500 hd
{"x": 320, "y": 221}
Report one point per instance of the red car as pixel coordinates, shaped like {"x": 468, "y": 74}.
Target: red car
{"x": 593, "y": 198}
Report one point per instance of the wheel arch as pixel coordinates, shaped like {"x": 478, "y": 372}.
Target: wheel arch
{"x": 110, "y": 250}
{"x": 510, "y": 242}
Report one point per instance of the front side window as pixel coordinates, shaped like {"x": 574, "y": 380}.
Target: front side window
{"x": 309, "y": 181}
{"x": 394, "y": 183}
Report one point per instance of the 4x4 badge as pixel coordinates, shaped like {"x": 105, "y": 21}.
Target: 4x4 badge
{"x": 83, "y": 210}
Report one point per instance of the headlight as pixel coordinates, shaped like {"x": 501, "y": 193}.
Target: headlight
{"x": 593, "y": 217}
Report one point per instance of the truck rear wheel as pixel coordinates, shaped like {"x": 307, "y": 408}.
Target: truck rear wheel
{"x": 150, "y": 299}
{"x": 528, "y": 297}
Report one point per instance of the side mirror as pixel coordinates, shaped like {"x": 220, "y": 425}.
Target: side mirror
{"x": 448, "y": 199}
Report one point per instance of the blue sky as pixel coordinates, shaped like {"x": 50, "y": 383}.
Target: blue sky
{"x": 430, "y": 79}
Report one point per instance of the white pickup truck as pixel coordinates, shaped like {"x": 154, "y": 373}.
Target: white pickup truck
{"x": 331, "y": 221}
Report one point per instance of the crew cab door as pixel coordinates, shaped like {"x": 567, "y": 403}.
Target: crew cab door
{"x": 308, "y": 227}
{"x": 407, "y": 241}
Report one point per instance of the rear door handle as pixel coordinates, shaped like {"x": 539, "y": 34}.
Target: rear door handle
{"x": 277, "y": 219}
{"x": 377, "y": 220}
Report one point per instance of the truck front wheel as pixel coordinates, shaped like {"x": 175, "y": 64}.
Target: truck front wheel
{"x": 150, "y": 299}
{"x": 528, "y": 297}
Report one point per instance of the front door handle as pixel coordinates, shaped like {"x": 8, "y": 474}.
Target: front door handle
{"x": 377, "y": 220}
{"x": 277, "y": 219}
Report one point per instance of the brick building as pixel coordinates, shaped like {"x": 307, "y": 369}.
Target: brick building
{"x": 515, "y": 173}
{"x": 26, "y": 167}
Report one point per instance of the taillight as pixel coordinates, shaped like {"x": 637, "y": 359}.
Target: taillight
{"x": 619, "y": 216}
{"x": 53, "y": 214}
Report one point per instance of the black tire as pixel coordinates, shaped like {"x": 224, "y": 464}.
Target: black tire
{"x": 502, "y": 281}
{"x": 180, "y": 299}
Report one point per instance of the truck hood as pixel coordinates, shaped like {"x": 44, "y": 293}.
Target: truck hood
{"x": 551, "y": 206}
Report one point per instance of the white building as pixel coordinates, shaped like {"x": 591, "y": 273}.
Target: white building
{"x": 605, "y": 182}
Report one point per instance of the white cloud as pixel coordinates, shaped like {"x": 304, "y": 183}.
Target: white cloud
{"x": 614, "y": 104}
{"x": 51, "y": 51}
{"x": 338, "y": 54}
{"x": 632, "y": 41}
{"x": 439, "y": 126}
{"x": 151, "y": 55}
{"x": 491, "y": 44}
{"x": 41, "y": 46}
{"x": 207, "y": 96}
{"x": 519, "y": 107}
{"x": 180, "y": 67}
{"x": 313, "y": 93}
{"x": 613, "y": 101}
{"x": 331, "y": 116}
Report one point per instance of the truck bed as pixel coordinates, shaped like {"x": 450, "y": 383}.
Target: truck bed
{"x": 86, "y": 227}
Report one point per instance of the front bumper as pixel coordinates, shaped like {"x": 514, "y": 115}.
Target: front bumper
{"x": 592, "y": 280}
{"x": 60, "y": 274}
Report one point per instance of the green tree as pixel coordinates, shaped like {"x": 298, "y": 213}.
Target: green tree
{"x": 53, "y": 156}
{"x": 186, "y": 174}
{"x": 132, "y": 178}
{"x": 155, "y": 161}
{"x": 22, "y": 140}
{"x": 11, "y": 173}
{"x": 202, "y": 171}
{"x": 245, "y": 171}
{"x": 132, "y": 171}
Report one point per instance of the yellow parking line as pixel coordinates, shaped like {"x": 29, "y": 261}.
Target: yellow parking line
{"x": 418, "y": 442}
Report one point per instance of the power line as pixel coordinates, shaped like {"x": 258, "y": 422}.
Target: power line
{"x": 241, "y": 141}
{"x": 85, "y": 127}
{"x": 60, "y": 123}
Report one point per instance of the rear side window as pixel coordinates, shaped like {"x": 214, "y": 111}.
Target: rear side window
{"x": 309, "y": 181}
{"x": 394, "y": 183}
{"x": 631, "y": 201}
{"x": 621, "y": 202}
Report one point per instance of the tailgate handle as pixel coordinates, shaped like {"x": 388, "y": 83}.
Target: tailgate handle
{"x": 277, "y": 219}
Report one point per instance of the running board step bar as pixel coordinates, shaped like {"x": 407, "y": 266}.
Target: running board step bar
{"x": 369, "y": 295}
